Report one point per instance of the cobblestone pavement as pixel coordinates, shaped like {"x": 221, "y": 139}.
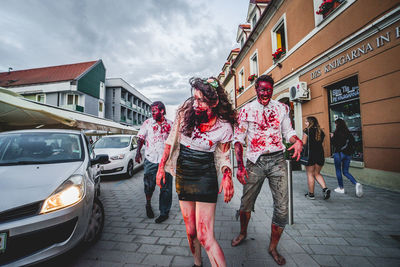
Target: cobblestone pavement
{"x": 342, "y": 231}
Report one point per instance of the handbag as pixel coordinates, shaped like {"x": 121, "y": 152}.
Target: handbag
{"x": 305, "y": 153}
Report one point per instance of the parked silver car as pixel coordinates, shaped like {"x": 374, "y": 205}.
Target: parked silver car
{"x": 121, "y": 150}
{"x": 49, "y": 188}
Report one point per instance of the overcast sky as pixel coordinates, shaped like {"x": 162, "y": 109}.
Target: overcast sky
{"x": 156, "y": 46}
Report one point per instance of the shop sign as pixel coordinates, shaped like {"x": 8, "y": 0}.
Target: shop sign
{"x": 344, "y": 93}
{"x": 356, "y": 53}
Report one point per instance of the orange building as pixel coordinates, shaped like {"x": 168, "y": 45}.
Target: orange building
{"x": 331, "y": 59}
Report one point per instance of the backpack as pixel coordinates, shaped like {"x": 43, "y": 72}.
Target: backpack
{"x": 349, "y": 146}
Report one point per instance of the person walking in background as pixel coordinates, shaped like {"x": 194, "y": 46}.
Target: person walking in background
{"x": 263, "y": 123}
{"x": 201, "y": 132}
{"x": 313, "y": 137}
{"x": 153, "y": 133}
{"x": 343, "y": 146}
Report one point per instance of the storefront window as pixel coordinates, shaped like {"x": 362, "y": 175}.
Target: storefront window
{"x": 344, "y": 103}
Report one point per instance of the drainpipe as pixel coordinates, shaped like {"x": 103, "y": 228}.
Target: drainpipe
{"x": 233, "y": 72}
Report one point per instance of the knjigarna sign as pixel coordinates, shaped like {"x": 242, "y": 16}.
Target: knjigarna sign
{"x": 355, "y": 53}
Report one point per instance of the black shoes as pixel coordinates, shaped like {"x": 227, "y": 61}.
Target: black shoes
{"x": 327, "y": 193}
{"x": 149, "y": 212}
{"x": 161, "y": 218}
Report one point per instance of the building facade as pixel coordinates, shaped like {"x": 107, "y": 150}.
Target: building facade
{"x": 79, "y": 87}
{"x": 125, "y": 104}
{"x": 336, "y": 59}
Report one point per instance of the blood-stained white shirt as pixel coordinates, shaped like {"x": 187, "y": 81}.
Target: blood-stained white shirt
{"x": 220, "y": 132}
{"x": 264, "y": 127}
{"x": 154, "y": 135}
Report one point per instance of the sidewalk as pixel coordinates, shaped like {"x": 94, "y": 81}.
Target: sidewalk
{"x": 342, "y": 231}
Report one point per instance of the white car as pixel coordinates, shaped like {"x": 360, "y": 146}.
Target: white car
{"x": 49, "y": 188}
{"x": 121, "y": 151}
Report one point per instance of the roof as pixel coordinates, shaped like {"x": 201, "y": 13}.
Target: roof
{"x": 245, "y": 26}
{"x": 44, "y": 75}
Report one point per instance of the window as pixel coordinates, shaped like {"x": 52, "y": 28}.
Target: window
{"x": 344, "y": 103}
{"x": 254, "y": 64}
{"x": 113, "y": 93}
{"x": 241, "y": 78}
{"x": 72, "y": 99}
{"x": 323, "y": 8}
{"x": 41, "y": 98}
{"x": 241, "y": 42}
{"x": 279, "y": 37}
{"x": 253, "y": 21}
{"x": 100, "y": 106}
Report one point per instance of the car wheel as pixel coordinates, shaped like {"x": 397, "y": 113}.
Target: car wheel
{"x": 96, "y": 222}
{"x": 129, "y": 169}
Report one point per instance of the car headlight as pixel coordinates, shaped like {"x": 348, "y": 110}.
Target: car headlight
{"x": 120, "y": 156}
{"x": 67, "y": 194}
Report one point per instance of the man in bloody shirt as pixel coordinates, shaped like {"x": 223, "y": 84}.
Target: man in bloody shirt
{"x": 265, "y": 122}
{"x": 153, "y": 133}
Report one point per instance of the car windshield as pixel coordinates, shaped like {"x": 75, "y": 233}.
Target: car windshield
{"x": 113, "y": 142}
{"x": 40, "y": 148}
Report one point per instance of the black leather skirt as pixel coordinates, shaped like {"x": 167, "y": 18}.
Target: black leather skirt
{"x": 196, "y": 176}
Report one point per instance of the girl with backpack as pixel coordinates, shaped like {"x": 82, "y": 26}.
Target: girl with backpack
{"x": 343, "y": 146}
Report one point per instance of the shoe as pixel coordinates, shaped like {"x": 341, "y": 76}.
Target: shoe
{"x": 327, "y": 193}
{"x": 149, "y": 212}
{"x": 161, "y": 218}
{"x": 339, "y": 190}
{"x": 359, "y": 190}
{"x": 310, "y": 196}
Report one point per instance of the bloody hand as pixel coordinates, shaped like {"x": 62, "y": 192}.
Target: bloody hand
{"x": 138, "y": 157}
{"x": 241, "y": 174}
{"x": 227, "y": 185}
{"x": 298, "y": 147}
{"x": 160, "y": 175}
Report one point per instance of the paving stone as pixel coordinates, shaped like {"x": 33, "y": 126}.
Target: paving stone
{"x": 326, "y": 250}
{"x": 158, "y": 260}
{"x": 126, "y": 246}
{"x": 306, "y": 240}
{"x": 332, "y": 241}
{"x": 357, "y": 251}
{"x": 180, "y": 261}
{"x": 151, "y": 249}
{"x": 169, "y": 241}
{"x": 351, "y": 261}
{"x": 304, "y": 260}
{"x": 146, "y": 239}
{"x": 177, "y": 250}
{"x": 325, "y": 260}
{"x": 384, "y": 261}
{"x": 387, "y": 252}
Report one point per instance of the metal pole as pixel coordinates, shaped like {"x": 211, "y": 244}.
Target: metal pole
{"x": 290, "y": 191}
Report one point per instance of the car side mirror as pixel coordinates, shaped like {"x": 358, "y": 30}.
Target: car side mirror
{"x": 100, "y": 159}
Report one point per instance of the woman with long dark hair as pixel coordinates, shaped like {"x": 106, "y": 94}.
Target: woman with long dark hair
{"x": 313, "y": 138}
{"x": 198, "y": 148}
{"x": 343, "y": 147}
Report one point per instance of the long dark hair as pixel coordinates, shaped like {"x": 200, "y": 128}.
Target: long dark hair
{"x": 212, "y": 94}
{"x": 341, "y": 128}
{"x": 313, "y": 123}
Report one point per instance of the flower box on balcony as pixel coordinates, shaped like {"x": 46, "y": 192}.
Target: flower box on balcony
{"x": 327, "y": 7}
{"x": 252, "y": 78}
{"x": 278, "y": 54}
{"x": 240, "y": 90}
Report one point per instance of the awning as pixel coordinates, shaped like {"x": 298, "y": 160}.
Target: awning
{"x": 16, "y": 112}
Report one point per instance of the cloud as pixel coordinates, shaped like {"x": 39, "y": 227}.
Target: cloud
{"x": 155, "y": 45}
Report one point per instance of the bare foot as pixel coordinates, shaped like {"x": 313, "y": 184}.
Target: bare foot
{"x": 238, "y": 240}
{"x": 278, "y": 258}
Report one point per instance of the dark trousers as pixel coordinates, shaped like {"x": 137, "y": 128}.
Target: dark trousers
{"x": 149, "y": 180}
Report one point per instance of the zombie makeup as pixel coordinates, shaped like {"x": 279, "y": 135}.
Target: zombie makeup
{"x": 157, "y": 114}
{"x": 264, "y": 92}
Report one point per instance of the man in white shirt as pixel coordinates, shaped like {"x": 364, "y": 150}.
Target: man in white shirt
{"x": 264, "y": 122}
{"x": 153, "y": 134}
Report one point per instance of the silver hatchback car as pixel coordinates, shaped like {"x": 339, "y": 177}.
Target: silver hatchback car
{"x": 49, "y": 188}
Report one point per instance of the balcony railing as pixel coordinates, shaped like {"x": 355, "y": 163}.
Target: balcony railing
{"x": 74, "y": 107}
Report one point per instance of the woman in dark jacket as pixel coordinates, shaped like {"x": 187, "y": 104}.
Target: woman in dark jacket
{"x": 343, "y": 147}
{"x": 313, "y": 138}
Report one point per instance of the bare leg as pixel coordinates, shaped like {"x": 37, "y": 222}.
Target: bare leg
{"x": 318, "y": 176}
{"x": 188, "y": 209}
{"x": 205, "y": 218}
{"x": 244, "y": 221}
{"x": 310, "y": 178}
{"x": 276, "y": 233}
